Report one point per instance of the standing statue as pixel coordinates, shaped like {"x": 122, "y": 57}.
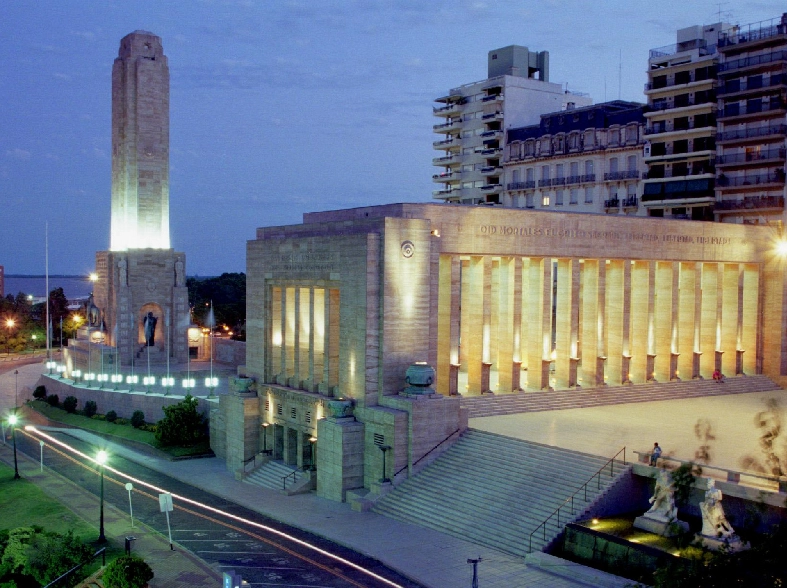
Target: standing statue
{"x": 663, "y": 499}
{"x": 149, "y": 325}
{"x": 714, "y": 522}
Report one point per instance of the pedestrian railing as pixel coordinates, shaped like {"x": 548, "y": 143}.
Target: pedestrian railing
{"x": 293, "y": 474}
{"x": 570, "y": 500}
{"x": 102, "y": 552}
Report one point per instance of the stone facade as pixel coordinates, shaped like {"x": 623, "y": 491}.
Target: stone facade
{"x": 496, "y": 300}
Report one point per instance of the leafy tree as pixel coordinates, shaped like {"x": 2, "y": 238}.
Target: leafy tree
{"x": 228, "y": 295}
{"x": 111, "y": 416}
{"x": 50, "y": 555}
{"x": 53, "y": 400}
{"x": 39, "y": 393}
{"x": 127, "y": 571}
{"x": 70, "y": 404}
{"x": 137, "y": 419}
{"x": 90, "y": 408}
{"x": 182, "y": 425}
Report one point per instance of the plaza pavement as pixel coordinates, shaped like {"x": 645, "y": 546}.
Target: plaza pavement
{"x": 437, "y": 560}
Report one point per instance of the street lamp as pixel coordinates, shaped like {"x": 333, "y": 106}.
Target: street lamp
{"x": 384, "y": 449}
{"x": 16, "y": 387}
{"x": 101, "y": 459}
{"x": 9, "y": 323}
{"x": 313, "y": 465}
{"x": 265, "y": 450}
{"x": 13, "y": 419}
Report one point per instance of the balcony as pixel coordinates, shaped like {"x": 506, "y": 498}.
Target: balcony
{"x": 758, "y": 31}
{"x": 661, "y": 127}
{"x": 612, "y": 203}
{"x": 492, "y": 116}
{"x": 574, "y": 180}
{"x": 672, "y": 81}
{"x": 630, "y": 174}
{"x": 752, "y": 108}
{"x": 443, "y": 193}
{"x": 447, "y": 127}
{"x": 662, "y": 104}
{"x": 521, "y": 185}
{"x": 449, "y": 110}
{"x": 752, "y": 133}
{"x": 561, "y": 181}
{"x": 752, "y": 61}
{"x": 446, "y": 160}
{"x": 494, "y": 134}
{"x": 700, "y": 44}
{"x": 588, "y": 178}
{"x": 692, "y": 189}
{"x": 446, "y": 144}
{"x": 751, "y": 85}
{"x": 492, "y": 188}
{"x": 491, "y": 170}
{"x": 545, "y": 183}
{"x": 492, "y": 98}
{"x": 489, "y": 151}
{"x": 752, "y": 157}
{"x": 755, "y": 181}
{"x": 445, "y": 177}
{"x": 631, "y": 202}
{"x": 754, "y": 203}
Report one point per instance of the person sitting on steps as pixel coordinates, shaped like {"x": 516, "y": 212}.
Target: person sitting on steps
{"x": 718, "y": 377}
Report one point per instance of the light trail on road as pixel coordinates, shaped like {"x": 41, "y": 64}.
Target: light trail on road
{"x": 33, "y": 431}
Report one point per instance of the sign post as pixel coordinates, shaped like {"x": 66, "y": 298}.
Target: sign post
{"x": 42, "y": 456}
{"x": 130, "y": 487}
{"x": 165, "y": 504}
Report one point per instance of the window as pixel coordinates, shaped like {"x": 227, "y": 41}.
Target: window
{"x": 530, "y": 174}
{"x": 574, "y": 196}
{"x": 613, "y": 165}
{"x": 559, "y": 170}
{"x": 631, "y": 133}
{"x": 467, "y": 185}
{"x": 515, "y": 175}
{"x": 574, "y": 169}
{"x": 545, "y": 172}
{"x": 589, "y": 195}
{"x": 529, "y": 201}
{"x": 559, "y": 198}
{"x": 573, "y": 141}
{"x": 589, "y": 167}
{"x": 631, "y": 190}
{"x": 545, "y": 200}
{"x": 614, "y": 137}
{"x": 590, "y": 139}
{"x": 631, "y": 163}
{"x": 468, "y": 167}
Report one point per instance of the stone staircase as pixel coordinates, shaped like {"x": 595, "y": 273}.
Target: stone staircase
{"x": 493, "y": 405}
{"x": 270, "y": 474}
{"x": 495, "y": 491}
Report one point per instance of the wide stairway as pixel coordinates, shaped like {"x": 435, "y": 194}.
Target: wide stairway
{"x": 272, "y": 475}
{"x": 493, "y": 405}
{"x": 494, "y": 491}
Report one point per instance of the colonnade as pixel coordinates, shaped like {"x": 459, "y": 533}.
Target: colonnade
{"x": 303, "y": 338}
{"x": 511, "y": 323}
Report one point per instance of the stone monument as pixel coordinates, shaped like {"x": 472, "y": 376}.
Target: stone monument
{"x": 662, "y": 517}
{"x": 141, "y": 287}
{"x": 717, "y": 532}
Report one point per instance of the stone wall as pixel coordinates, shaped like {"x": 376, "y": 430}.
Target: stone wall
{"x": 229, "y": 351}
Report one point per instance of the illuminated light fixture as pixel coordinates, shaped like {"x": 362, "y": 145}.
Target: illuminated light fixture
{"x": 435, "y": 232}
{"x": 781, "y": 247}
{"x": 553, "y": 355}
{"x": 169, "y": 382}
{"x": 188, "y": 383}
{"x": 149, "y": 381}
{"x": 93, "y": 277}
{"x": 132, "y": 379}
{"x": 211, "y": 382}
{"x": 595, "y": 521}
{"x": 116, "y": 378}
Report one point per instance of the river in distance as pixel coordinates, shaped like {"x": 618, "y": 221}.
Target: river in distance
{"x": 73, "y": 286}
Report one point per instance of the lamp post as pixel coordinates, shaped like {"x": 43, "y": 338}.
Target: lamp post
{"x": 16, "y": 388}
{"x": 313, "y": 465}
{"x": 13, "y": 419}
{"x": 9, "y": 323}
{"x": 101, "y": 459}
{"x": 265, "y": 450}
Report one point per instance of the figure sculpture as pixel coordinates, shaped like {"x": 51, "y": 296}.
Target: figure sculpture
{"x": 149, "y": 325}
{"x": 714, "y": 522}
{"x": 663, "y": 499}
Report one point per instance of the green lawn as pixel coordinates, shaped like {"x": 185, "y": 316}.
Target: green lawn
{"x": 114, "y": 430}
{"x": 24, "y": 504}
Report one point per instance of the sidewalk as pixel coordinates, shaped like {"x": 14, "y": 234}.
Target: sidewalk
{"x": 172, "y": 569}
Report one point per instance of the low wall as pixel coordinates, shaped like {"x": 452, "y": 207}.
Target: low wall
{"x": 123, "y": 402}
{"x": 229, "y": 351}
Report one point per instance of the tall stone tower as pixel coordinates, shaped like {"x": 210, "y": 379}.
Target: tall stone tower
{"x": 141, "y": 293}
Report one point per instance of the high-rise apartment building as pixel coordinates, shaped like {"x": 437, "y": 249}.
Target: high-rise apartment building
{"x": 475, "y": 116}
{"x": 681, "y": 149}
{"x": 580, "y": 160}
{"x": 750, "y": 156}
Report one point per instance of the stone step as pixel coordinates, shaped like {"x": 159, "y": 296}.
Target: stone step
{"x": 496, "y": 501}
{"x": 270, "y": 474}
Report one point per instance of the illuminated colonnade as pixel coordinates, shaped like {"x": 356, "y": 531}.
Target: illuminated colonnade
{"x": 511, "y": 322}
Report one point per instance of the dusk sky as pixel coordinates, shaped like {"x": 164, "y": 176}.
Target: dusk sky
{"x": 278, "y": 107}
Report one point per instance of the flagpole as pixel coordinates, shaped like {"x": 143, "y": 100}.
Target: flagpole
{"x": 48, "y": 302}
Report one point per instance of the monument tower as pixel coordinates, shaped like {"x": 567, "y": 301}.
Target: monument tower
{"x": 141, "y": 288}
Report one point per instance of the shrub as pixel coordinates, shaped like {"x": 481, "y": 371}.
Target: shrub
{"x": 127, "y": 571}
{"x": 70, "y": 404}
{"x": 90, "y": 409}
{"x": 182, "y": 424}
{"x": 137, "y": 419}
{"x": 120, "y": 421}
{"x": 111, "y": 416}
{"x": 53, "y": 400}
{"x": 39, "y": 393}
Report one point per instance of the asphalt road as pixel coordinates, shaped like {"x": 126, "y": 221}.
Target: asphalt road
{"x": 260, "y": 556}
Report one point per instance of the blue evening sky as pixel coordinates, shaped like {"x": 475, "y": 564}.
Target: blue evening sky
{"x": 278, "y": 107}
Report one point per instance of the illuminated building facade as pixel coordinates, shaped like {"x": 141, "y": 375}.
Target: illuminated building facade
{"x": 496, "y": 300}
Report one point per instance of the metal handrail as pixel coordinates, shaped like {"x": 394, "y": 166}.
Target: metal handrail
{"x": 284, "y": 479}
{"x": 102, "y": 551}
{"x": 611, "y": 462}
{"x": 416, "y": 462}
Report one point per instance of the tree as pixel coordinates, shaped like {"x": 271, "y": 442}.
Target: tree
{"x": 228, "y": 295}
{"x": 182, "y": 425}
{"x": 127, "y": 571}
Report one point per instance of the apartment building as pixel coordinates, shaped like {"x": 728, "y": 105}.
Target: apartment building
{"x": 475, "y": 116}
{"x": 681, "y": 129}
{"x": 750, "y": 152}
{"x": 580, "y": 160}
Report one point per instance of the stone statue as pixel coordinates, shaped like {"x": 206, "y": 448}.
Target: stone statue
{"x": 179, "y": 278}
{"x": 663, "y": 500}
{"x": 714, "y": 523}
{"x": 123, "y": 272}
{"x": 149, "y": 325}
{"x": 93, "y": 314}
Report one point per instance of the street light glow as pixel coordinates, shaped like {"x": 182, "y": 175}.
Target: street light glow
{"x": 101, "y": 457}
{"x": 13, "y": 419}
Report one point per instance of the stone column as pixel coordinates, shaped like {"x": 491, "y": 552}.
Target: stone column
{"x": 750, "y": 303}
{"x": 566, "y": 323}
{"x": 591, "y": 375}
{"x": 640, "y": 321}
{"x": 730, "y": 318}
{"x": 319, "y": 330}
{"x": 516, "y": 371}
{"x": 709, "y": 318}
{"x": 487, "y": 354}
{"x": 689, "y": 296}
{"x": 539, "y": 307}
{"x": 505, "y": 325}
{"x": 289, "y": 343}
{"x": 277, "y": 334}
{"x": 444, "y": 311}
{"x": 475, "y": 320}
{"x": 664, "y": 315}
{"x": 332, "y": 325}
{"x": 524, "y": 325}
{"x": 614, "y": 296}
{"x": 297, "y": 375}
